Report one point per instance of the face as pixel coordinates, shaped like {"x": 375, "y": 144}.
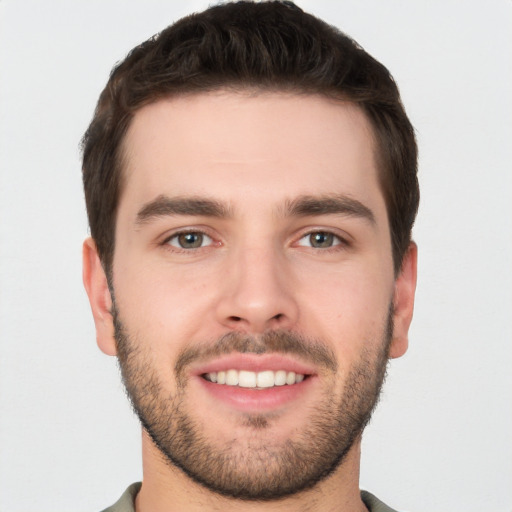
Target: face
{"x": 254, "y": 290}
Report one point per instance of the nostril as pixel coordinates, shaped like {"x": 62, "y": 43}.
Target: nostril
{"x": 274, "y": 320}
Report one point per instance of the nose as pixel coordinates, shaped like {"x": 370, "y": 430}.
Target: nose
{"x": 257, "y": 293}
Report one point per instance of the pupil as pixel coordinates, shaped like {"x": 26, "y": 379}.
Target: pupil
{"x": 321, "y": 239}
{"x": 190, "y": 240}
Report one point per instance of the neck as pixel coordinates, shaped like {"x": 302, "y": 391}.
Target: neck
{"x": 166, "y": 488}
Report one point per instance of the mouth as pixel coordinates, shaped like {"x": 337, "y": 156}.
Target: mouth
{"x": 255, "y": 380}
{"x": 256, "y": 383}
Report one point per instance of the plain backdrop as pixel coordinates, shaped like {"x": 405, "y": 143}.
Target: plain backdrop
{"x": 441, "y": 438}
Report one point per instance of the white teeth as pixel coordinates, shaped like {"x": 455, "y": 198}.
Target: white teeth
{"x": 246, "y": 379}
{"x": 260, "y": 380}
{"x": 280, "y": 378}
{"x": 232, "y": 378}
{"x": 290, "y": 378}
{"x": 265, "y": 379}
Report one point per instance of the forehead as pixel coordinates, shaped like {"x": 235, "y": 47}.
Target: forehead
{"x": 237, "y": 144}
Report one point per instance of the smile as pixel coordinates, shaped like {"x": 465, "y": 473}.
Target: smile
{"x": 257, "y": 380}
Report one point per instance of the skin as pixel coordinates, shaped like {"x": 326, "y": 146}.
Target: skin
{"x": 256, "y": 270}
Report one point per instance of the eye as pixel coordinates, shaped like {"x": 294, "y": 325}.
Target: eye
{"x": 320, "y": 240}
{"x": 189, "y": 240}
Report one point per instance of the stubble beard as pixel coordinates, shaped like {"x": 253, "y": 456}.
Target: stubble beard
{"x": 253, "y": 468}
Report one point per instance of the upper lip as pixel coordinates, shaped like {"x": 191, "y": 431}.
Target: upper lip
{"x": 254, "y": 363}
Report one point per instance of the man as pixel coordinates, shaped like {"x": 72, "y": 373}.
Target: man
{"x": 250, "y": 179}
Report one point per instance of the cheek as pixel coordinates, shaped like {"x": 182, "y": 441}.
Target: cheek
{"x": 348, "y": 307}
{"x": 162, "y": 302}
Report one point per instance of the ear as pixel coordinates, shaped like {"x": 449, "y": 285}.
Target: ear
{"x": 403, "y": 302}
{"x": 96, "y": 286}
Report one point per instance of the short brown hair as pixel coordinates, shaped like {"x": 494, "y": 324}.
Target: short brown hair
{"x": 268, "y": 45}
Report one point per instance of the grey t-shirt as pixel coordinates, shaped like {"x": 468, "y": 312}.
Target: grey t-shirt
{"x": 127, "y": 501}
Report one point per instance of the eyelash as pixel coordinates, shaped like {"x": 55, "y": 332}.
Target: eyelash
{"x": 339, "y": 242}
{"x": 175, "y": 236}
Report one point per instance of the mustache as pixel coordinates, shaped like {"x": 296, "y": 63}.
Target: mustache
{"x": 282, "y": 342}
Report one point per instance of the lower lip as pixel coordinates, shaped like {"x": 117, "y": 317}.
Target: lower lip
{"x": 257, "y": 400}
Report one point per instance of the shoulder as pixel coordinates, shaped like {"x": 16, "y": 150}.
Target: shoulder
{"x": 126, "y": 502}
{"x": 373, "y": 504}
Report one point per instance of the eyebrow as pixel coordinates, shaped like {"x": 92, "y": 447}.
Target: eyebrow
{"x": 303, "y": 206}
{"x": 331, "y": 204}
{"x": 164, "y": 206}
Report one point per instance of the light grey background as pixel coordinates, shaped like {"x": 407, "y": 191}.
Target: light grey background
{"x": 441, "y": 439}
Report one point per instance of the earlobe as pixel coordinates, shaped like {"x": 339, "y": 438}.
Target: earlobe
{"x": 96, "y": 286}
{"x": 403, "y": 303}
